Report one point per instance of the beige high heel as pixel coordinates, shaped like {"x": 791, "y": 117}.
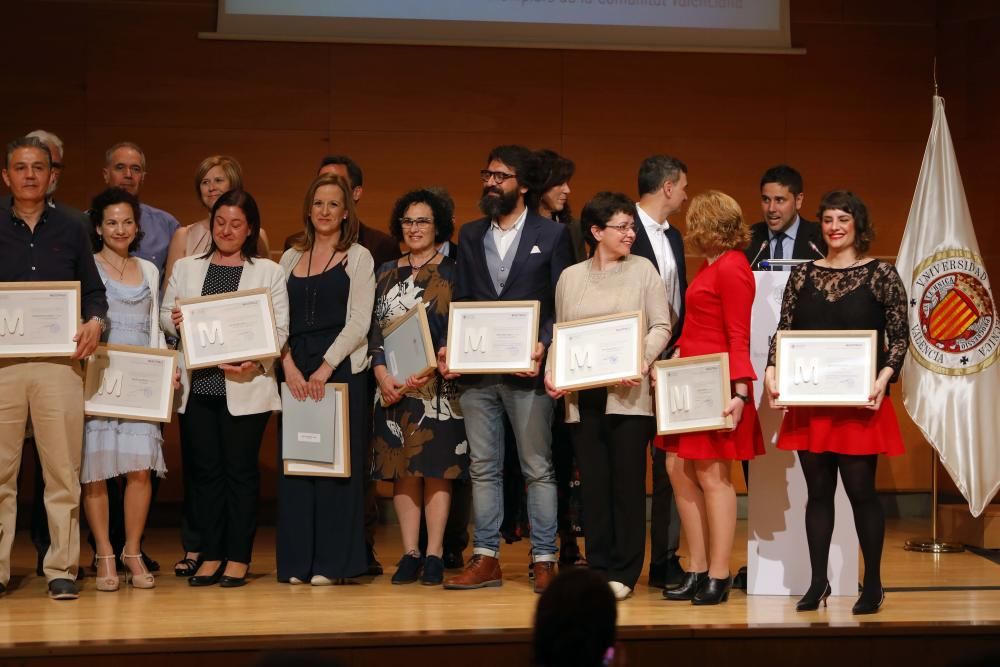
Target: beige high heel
{"x": 144, "y": 580}
{"x": 107, "y": 584}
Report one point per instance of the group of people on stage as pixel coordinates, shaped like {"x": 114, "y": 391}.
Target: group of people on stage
{"x": 438, "y": 438}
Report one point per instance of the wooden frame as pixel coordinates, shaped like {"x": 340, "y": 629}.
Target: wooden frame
{"x": 860, "y": 338}
{"x": 706, "y": 364}
{"x": 64, "y": 348}
{"x": 523, "y": 364}
{"x": 606, "y": 325}
{"x": 261, "y": 295}
{"x": 343, "y": 429}
{"x": 92, "y": 384}
{"x": 429, "y": 356}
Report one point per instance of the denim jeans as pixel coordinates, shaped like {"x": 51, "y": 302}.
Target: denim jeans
{"x": 530, "y": 414}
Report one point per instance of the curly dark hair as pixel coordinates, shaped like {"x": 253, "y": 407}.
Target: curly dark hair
{"x": 848, "y": 202}
{"x": 599, "y": 211}
{"x": 443, "y": 223}
{"x": 112, "y": 197}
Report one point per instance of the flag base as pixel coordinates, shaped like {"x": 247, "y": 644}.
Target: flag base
{"x": 933, "y": 546}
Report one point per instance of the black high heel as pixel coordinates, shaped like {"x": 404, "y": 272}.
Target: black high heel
{"x": 713, "y": 591}
{"x": 208, "y": 579}
{"x": 863, "y": 606}
{"x": 689, "y": 586}
{"x": 810, "y": 601}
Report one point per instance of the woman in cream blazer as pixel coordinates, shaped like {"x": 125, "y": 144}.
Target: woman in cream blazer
{"x": 225, "y": 409}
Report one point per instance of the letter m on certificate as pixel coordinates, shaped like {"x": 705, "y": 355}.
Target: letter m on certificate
{"x": 806, "y": 371}
{"x": 111, "y": 383}
{"x": 476, "y": 339}
{"x": 680, "y": 399}
{"x": 581, "y": 357}
{"x": 210, "y": 333}
{"x": 11, "y": 322}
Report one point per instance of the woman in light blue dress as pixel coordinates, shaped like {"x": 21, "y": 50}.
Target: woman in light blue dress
{"x": 115, "y": 447}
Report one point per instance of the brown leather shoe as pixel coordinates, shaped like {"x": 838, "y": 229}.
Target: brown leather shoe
{"x": 545, "y": 570}
{"x": 480, "y": 572}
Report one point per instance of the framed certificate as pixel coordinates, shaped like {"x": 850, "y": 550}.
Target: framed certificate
{"x": 597, "y": 351}
{"x": 492, "y": 336}
{"x": 130, "y": 382}
{"x": 39, "y": 319}
{"x": 316, "y": 435}
{"x": 692, "y": 393}
{"x": 227, "y": 328}
{"x": 825, "y": 367}
{"x": 408, "y": 346}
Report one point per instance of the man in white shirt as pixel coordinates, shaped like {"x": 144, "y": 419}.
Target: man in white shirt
{"x": 662, "y": 192}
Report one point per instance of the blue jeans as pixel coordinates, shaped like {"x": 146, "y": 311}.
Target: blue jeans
{"x": 530, "y": 414}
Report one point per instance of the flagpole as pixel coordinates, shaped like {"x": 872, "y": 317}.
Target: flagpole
{"x": 934, "y": 545}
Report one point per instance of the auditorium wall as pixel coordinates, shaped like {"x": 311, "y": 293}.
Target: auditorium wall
{"x": 854, "y": 111}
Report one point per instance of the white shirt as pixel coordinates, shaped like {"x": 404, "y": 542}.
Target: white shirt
{"x": 503, "y": 238}
{"x": 665, "y": 261}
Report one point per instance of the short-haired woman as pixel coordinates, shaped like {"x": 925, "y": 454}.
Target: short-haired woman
{"x": 718, "y": 303}
{"x": 226, "y": 408}
{"x": 845, "y": 290}
{"x": 612, "y": 425}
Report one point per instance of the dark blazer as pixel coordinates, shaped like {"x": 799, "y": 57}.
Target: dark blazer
{"x": 808, "y": 231}
{"x": 644, "y": 248}
{"x": 532, "y": 277}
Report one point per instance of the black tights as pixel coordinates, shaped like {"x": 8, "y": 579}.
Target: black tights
{"x": 858, "y": 475}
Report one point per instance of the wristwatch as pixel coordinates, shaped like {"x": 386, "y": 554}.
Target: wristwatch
{"x": 742, "y": 397}
{"x": 103, "y": 321}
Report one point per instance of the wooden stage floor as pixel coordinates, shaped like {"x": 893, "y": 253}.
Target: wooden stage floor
{"x": 954, "y": 594}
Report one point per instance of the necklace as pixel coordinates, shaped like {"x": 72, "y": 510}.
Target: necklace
{"x": 311, "y": 292}
{"x": 414, "y": 269}
{"x": 121, "y": 271}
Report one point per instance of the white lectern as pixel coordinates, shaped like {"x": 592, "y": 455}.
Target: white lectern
{"x": 777, "y": 553}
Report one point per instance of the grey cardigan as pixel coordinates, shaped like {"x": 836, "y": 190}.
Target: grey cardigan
{"x": 353, "y": 338}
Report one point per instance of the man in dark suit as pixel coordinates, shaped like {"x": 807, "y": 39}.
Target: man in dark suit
{"x": 662, "y": 192}
{"x": 783, "y": 234}
{"x": 509, "y": 255}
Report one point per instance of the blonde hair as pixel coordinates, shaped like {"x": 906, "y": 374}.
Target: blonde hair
{"x": 230, "y": 167}
{"x": 715, "y": 223}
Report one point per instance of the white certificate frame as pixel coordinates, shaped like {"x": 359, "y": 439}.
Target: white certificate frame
{"x": 37, "y": 290}
{"x": 342, "y": 428}
{"x": 631, "y": 326}
{"x": 669, "y": 373}
{"x": 525, "y": 314}
{"x": 862, "y": 342}
{"x": 96, "y": 383}
{"x": 258, "y": 298}
{"x": 409, "y": 336}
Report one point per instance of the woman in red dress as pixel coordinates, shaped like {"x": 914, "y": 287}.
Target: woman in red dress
{"x": 845, "y": 290}
{"x": 718, "y": 303}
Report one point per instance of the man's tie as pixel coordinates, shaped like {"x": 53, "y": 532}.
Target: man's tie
{"x": 779, "y": 250}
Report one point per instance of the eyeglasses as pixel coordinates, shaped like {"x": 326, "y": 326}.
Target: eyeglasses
{"x": 419, "y": 223}
{"x": 498, "y": 176}
{"x": 621, "y": 229}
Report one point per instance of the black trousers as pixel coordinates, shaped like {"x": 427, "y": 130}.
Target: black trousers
{"x": 611, "y": 454}
{"x": 190, "y": 535}
{"x": 664, "y": 522}
{"x": 223, "y": 456}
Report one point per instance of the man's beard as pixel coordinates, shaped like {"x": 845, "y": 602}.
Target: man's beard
{"x": 494, "y": 207}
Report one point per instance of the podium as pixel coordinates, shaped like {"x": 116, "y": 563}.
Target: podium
{"x": 777, "y": 551}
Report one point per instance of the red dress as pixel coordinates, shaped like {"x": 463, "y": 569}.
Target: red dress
{"x": 718, "y": 303}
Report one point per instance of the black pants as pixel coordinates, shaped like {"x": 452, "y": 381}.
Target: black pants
{"x": 224, "y": 451}
{"x": 39, "y": 519}
{"x": 611, "y": 453}
{"x": 664, "y": 522}
{"x": 190, "y": 535}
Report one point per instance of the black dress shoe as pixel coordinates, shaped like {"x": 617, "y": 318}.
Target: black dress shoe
{"x": 453, "y": 560}
{"x": 225, "y": 581}
{"x": 433, "y": 574}
{"x": 713, "y": 591}
{"x": 374, "y": 567}
{"x": 818, "y": 592}
{"x": 63, "y": 589}
{"x": 408, "y": 569}
{"x": 666, "y": 574}
{"x": 692, "y": 582}
{"x": 740, "y": 579}
{"x": 868, "y": 604}
{"x": 151, "y": 565}
{"x": 208, "y": 579}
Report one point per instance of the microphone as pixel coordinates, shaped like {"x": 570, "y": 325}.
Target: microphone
{"x": 816, "y": 250}
{"x": 763, "y": 247}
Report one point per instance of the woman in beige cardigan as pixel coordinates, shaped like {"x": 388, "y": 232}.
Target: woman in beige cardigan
{"x": 611, "y": 426}
{"x": 331, "y": 290}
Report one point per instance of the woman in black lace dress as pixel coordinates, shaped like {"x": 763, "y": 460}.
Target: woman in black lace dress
{"x": 845, "y": 290}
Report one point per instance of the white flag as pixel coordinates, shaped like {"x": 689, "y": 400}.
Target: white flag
{"x": 950, "y": 381}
